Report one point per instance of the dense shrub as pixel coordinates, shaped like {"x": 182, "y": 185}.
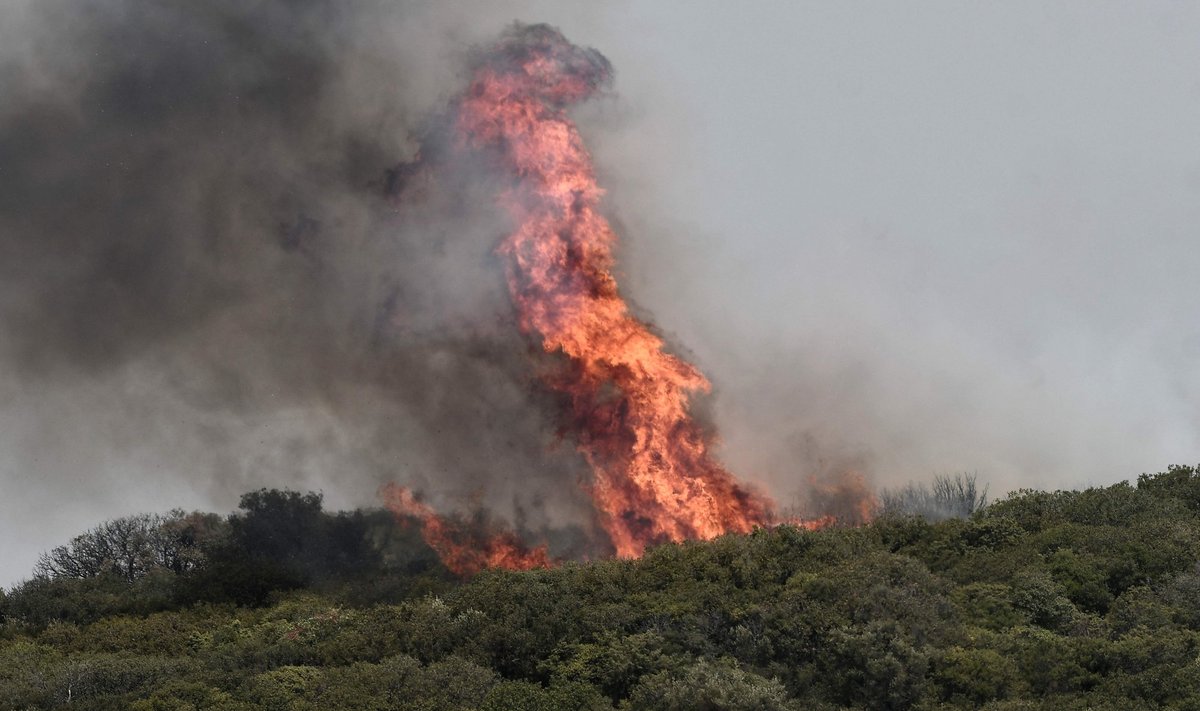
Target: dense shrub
{"x": 1043, "y": 600}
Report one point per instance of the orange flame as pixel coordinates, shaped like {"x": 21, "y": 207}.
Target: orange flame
{"x": 655, "y": 477}
{"x": 844, "y": 495}
{"x": 463, "y": 550}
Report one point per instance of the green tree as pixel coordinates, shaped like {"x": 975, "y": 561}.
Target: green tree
{"x": 719, "y": 685}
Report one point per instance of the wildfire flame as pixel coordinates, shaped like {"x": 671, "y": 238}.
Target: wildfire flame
{"x": 655, "y": 477}
{"x": 463, "y": 549}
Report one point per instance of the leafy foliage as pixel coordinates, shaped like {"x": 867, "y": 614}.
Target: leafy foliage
{"x": 1043, "y": 600}
{"x": 132, "y": 547}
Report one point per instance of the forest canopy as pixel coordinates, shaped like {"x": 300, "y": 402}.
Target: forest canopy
{"x": 1040, "y": 600}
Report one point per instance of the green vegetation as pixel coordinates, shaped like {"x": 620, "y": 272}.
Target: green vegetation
{"x": 1042, "y": 600}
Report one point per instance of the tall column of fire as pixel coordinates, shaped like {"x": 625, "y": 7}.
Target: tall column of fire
{"x": 655, "y": 477}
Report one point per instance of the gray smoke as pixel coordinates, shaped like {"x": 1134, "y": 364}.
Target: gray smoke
{"x": 205, "y": 287}
{"x": 900, "y": 240}
{"x": 922, "y": 238}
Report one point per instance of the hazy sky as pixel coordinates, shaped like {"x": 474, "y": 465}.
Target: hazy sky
{"x": 920, "y": 237}
{"x": 946, "y": 236}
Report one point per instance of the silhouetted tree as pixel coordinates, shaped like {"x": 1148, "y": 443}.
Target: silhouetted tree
{"x": 281, "y": 540}
{"x": 128, "y": 548}
{"x": 950, "y": 496}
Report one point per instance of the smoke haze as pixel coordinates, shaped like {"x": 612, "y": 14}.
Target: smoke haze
{"x": 906, "y": 240}
{"x": 207, "y": 289}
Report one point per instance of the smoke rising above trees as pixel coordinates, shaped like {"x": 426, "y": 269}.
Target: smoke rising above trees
{"x": 861, "y": 275}
{"x": 241, "y": 250}
{"x": 195, "y": 233}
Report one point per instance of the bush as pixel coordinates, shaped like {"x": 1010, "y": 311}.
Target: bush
{"x": 1064, "y": 600}
{"x": 709, "y": 686}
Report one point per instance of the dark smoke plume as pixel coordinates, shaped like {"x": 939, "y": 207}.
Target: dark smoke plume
{"x": 204, "y": 268}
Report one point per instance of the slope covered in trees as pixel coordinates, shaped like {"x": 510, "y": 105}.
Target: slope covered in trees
{"x": 1042, "y": 600}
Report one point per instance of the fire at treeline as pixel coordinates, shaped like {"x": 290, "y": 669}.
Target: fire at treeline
{"x": 675, "y": 585}
{"x": 276, "y": 290}
{"x": 625, "y": 398}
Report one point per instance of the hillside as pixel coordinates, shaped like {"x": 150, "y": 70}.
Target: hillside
{"x": 1043, "y": 600}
